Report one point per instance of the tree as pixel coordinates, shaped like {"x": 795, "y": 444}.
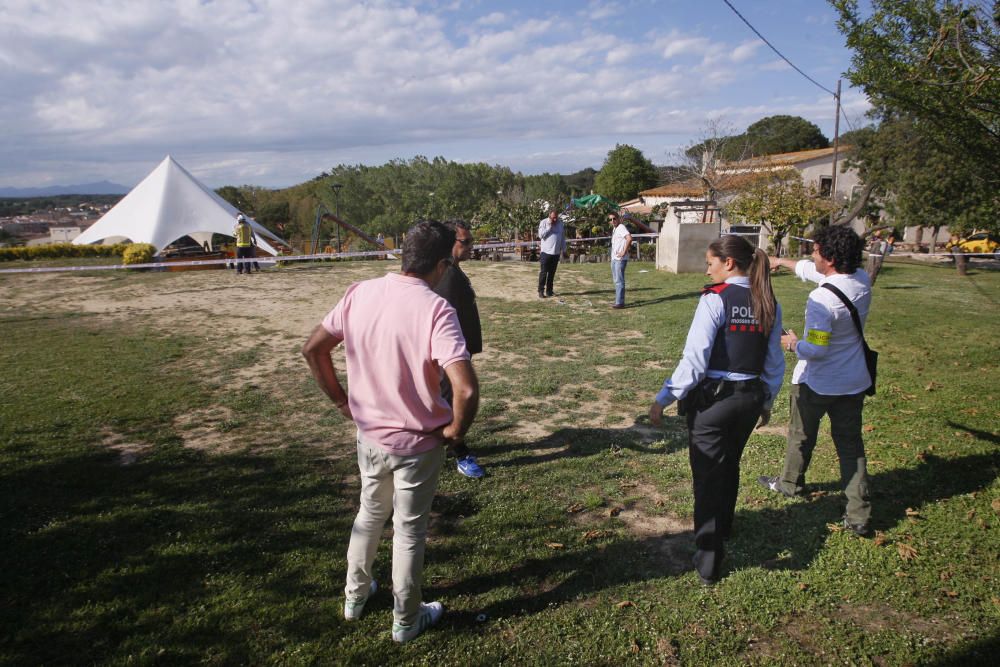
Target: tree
{"x": 784, "y": 134}
{"x": 780, "y": 202}
{"x": 768, "y": 136}
{"x": 921, "y": 182}
{"x": 550, "y": 188}
{"x": 625, "y": 172}
{"x": 937, "y": 62}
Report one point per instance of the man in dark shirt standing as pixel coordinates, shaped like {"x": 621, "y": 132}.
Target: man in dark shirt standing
{"x": 456, "y": 289}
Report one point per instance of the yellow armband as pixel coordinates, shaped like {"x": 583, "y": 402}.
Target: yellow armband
{"x": 820, "y": 338}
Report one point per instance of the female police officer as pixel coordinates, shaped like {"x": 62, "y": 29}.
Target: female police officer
{"x": 730, "y": 372}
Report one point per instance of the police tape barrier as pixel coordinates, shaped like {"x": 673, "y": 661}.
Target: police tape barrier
{"x": 897, "y": 253}
{"x": 389, "y": 254}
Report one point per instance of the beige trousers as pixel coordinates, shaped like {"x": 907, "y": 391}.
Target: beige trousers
{"x": 404, "y": 487}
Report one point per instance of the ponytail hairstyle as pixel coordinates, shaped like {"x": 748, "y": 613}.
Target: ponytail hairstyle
{"x": 754, "y": 263}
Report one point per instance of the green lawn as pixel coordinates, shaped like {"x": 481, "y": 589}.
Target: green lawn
{"x": 159, "y": 505}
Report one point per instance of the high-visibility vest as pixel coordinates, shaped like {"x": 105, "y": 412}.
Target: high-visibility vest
{"x": 244, "y": 234}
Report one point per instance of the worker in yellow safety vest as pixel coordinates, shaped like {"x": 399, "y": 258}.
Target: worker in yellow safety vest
{"x": 246, "y": 245}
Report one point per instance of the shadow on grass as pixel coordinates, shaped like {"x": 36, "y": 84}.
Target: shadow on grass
{"x": 653, "y": 302}
{"x": 790, "y": 536}
{"x": 569, "y": 575}
{"x": 985, "y": 436}
{"x": 179, "y": 550}
{"x": 581, "y": 442}
{"x": 609, "y": 290}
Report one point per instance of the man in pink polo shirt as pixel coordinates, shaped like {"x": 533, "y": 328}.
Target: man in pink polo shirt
{"x": 399, "y": 337}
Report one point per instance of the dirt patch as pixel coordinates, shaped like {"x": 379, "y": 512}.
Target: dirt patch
{"x": 129, "y": 451}
{"x": 200, "y": 430}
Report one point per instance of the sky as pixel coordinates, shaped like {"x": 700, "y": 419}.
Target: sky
{"x": 275, "y": 92}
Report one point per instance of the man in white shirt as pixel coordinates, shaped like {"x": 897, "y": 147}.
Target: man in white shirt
{"x": 831, "y": 375}
{"x": 621, "y": 240}
{"x": 553, "y": 237}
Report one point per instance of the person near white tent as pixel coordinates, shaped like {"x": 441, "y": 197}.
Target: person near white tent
{"x": 246, "y": 245}
{"x": 170, "y": 204}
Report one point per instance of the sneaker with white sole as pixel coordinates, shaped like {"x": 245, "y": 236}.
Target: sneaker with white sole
{"x": 469, "y": 466}
{"x": 354, "y": 608}
{"x": 430, "y": 614}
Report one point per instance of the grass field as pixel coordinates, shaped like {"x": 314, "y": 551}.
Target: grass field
{"x": 174, "y": 489}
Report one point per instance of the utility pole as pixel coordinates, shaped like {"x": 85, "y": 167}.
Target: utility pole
{"x": 336, "y": 205}
{"x": 836, "y": 146}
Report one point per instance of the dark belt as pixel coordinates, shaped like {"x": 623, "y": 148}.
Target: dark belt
{"x": 752, "y": 383}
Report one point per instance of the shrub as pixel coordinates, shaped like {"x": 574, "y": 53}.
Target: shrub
{"x": 138, "y": 253}
{"x": 57, "y": 250}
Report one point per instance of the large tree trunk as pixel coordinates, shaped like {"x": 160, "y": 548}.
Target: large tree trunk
{"x": 859, "y": 206}
{"x": 934, "y": 234}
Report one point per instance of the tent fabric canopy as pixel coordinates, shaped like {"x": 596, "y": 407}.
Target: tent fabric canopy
{"x": 590, "y": 201}
{"x": 168, "y": 204}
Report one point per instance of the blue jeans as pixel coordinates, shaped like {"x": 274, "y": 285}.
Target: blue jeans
{"x": 618, "y": 275}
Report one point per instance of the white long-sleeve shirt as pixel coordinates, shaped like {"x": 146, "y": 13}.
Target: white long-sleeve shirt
{"x": 693, "y": 367}
{"x": 553, "y": 236}
{"x": 831, "y": 357}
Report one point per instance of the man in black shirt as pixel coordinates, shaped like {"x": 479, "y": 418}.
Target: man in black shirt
{"x": 456, "y": 289}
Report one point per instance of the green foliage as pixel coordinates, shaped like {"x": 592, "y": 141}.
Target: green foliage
{"x": 625, "y": 173}
{"x": 234, "y": 196}
{"x": 550, "y": 188}
{"x": 138, "y": 253}
{"x": 922, "y": 181}
{"x": 56, "y": 250}
{"x": 767, "y": 136}
{"x": 581, "y": 182}
{"x": 784, "y": 134}
{"x": 937, "y": 62}
{"x": 779, "y": 201}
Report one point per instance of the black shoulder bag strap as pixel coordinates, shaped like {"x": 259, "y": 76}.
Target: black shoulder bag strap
{"x": 871, "y": 356}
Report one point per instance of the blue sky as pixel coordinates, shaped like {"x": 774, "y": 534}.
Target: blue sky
{"x": 271, "y": 92}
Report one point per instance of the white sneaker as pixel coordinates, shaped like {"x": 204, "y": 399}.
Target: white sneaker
{"x": 430, "y": 614}
{"x": 353, "y": 608}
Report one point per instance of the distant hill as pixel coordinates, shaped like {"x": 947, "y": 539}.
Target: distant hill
{"x": 100, "y": 188}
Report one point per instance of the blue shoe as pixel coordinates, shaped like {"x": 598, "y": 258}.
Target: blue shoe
{"x": 468, "y": 466}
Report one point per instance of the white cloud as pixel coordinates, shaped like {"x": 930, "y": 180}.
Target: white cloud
{"x": 278, "y": 91}
{"x": 494, "y": 18}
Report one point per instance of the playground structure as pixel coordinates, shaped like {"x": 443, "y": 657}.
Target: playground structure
{"x": 323, "y": 215}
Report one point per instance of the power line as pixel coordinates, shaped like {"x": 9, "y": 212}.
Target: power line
{"x": 756, "y": 32}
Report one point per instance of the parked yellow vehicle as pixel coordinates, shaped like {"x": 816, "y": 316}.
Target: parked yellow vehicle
{"x": 980, "y": 243}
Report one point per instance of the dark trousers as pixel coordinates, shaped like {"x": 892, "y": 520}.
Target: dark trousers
{"x": 717, "y": 435}
{"x": 806, "y": 411}
{"x": 245, "y": 252}
{"x": 547, "y": 272}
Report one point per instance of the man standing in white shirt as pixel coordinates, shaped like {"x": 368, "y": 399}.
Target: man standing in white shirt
{"x": 553, "y": 237}
{"x": 621, "y": 241}
{"x": 831, "y": 376}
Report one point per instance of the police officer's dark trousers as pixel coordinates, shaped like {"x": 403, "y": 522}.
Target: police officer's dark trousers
{"x": 717, "y": 434}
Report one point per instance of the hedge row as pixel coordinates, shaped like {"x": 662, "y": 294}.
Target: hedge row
{"x": 54, "y": 250}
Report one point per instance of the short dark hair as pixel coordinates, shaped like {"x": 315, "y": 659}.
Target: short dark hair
{"x": 841, "y": 246}
{"x": 426, "y": 244}
{"x": 453, "y": 225}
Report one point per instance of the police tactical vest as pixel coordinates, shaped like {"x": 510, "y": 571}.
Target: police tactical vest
{"x": 741, "y": 344}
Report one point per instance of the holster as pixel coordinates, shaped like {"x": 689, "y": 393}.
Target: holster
{"x": 703, "y": 396}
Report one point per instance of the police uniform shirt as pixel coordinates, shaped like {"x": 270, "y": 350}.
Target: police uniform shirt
{"x": 693, "y": 367}
{"x": 831, "y": 357}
